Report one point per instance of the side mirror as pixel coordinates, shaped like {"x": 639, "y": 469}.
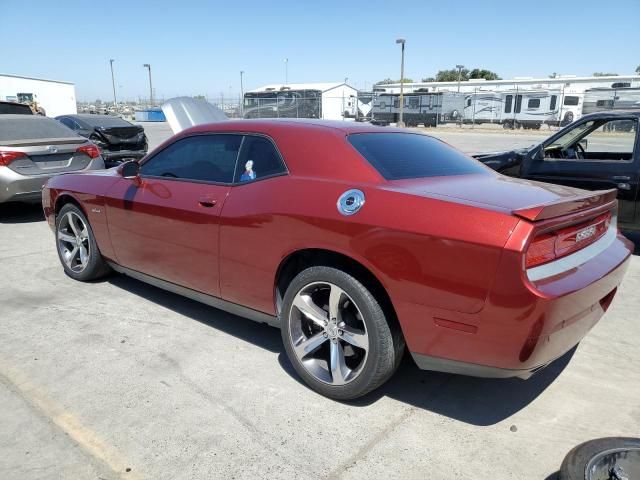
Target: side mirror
{"x": 129, "y": 169}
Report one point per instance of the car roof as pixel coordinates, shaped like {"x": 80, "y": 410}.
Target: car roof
{"x": 282, "y": 124}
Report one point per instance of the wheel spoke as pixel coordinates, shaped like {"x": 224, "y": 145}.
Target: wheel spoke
{"x": 84, "y": 234}
{"x": 72, "y": 223}
{"x": 313, "y": 312}
{"x": 65, "y": 237}
{"x": 68, "y": 258}
{"x": 84, "y": 254}
{"x": 355, "y": 337}
{"x": 309, "y": 345}
{"x": 339, "y": 369}
{"x": 335, "y": 299}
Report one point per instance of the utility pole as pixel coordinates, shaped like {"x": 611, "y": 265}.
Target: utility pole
{"x": 459, "y": 67}
{"x": 241, "y": 94}
{"x": 286, "y": 71}
{"x": 113, "y": 83}
{"x": 400, "y": 122}
{"x": 148, "y": 66}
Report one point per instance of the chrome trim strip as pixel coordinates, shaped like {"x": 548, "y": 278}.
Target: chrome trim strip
{"x": 210, "y": 300}
{"x": 576, "y": 259}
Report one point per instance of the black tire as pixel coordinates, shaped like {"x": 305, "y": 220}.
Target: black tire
{"x": 386, "y": 344}
{"x": 96, "y": 267}
{"x": 575, "y": 463}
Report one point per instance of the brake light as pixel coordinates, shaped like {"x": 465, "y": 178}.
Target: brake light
{"x": 91, "y": 150}
{"x": 7, "y": 157}
{"x": 557, "y": 244}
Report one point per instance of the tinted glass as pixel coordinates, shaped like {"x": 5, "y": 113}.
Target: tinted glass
{"x": 518, "y": 106}
{"x": 398, "y": 156}
{"x": 571, "y": 100}
{"x": 68, "y": 122}
{"x": 507, "y": 104}
{"x": 209, "y": 158}
{"x": 28, "y": 127}
{"x": 552, "y": 104}
{"x": 258, "y": 159}
{"x": 14, "y": 108}
{"x": 533, "y": 103}
{"x": 104, "y": 121}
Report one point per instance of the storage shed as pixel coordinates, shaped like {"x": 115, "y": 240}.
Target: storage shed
{"x": 52, "y": 96}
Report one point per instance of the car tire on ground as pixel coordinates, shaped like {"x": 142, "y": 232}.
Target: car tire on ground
{"x": 336, "y": 334}
{"x": 76, "y": 245}
{"x": 575, "y": 464}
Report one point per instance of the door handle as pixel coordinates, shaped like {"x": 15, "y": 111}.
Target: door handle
{"x": 207, "y": 202}
{"x": 624, "y": 178}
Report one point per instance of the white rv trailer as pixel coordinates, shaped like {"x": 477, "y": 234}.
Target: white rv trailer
{"x": 51, "y": 96}
{"x": 598, "y": 99}
{"x": 514, "y": 108}
{"x": 426, "y": 108}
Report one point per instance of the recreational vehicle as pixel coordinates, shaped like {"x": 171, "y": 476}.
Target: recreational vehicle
{"x": 427, "y": 108}
{"x": 599, "y": 99}
{"x": 513, "y": 108}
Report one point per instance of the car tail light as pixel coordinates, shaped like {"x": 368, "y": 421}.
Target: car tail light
{"x": 91, "y": 150}
{"x": 7, "y": 157}
{"x": 564, "y": 241}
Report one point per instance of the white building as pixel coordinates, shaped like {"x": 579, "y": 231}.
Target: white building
{"x": 568, "y": 83}
{"x": 330, "y": 101}
{"x": 55, "y": 97}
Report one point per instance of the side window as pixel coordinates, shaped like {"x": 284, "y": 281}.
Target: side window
{"x": 208, "y": 158}
{"x": 507, "y": 103}
{"x": 258, "y": 159}
{"x": 518, "y": 106}
{"x": 68, "y": 123}
{"x": 614, "y": 140}
{"x": 552, "y": 102}
{"x": 533, "y": 103}
{"x": 571, "y": 100}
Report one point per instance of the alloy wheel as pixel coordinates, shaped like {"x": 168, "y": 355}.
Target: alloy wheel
{"x": 328, "y": 333}
{"x": 73, "y": 242}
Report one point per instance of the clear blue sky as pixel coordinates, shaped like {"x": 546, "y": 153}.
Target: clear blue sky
{"x": 200, "y": 47}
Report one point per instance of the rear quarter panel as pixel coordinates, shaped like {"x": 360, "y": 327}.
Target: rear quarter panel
{"x": 425, "y": 252}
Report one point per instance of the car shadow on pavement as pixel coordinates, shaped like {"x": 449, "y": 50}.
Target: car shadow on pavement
{"x": 476, "y": 401}
{"x": 259, "y": 334}
{"x": 635, "y": 238}
{"x": 21, "y": 212}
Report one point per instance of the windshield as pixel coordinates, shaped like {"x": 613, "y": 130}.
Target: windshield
{"x": 572, "y": 135}
{"x": 29, "y": 127}
{"x": 398, "y": 156}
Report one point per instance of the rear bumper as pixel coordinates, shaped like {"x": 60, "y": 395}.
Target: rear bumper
{"x": 15, "y": 187}
{"x": 524, "y": 325}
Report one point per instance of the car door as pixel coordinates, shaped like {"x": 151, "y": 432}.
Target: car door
{"x": 600, "y": 154}
{"x": 165, "y": 224}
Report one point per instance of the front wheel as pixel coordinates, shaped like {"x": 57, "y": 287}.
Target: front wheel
{"x": 336, "y": 334}
{"x": 76, "y": 245}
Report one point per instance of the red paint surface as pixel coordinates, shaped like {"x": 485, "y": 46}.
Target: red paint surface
{"x": 446, "y": 248}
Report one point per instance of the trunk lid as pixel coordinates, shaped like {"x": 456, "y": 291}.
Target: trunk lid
{"x": 54, "y": 158}
{"x": 127, "y": 135}
{"x": 524, "y": 198}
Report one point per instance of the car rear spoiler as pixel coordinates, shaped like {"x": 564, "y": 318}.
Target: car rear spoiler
{"x": 567, "y": 206}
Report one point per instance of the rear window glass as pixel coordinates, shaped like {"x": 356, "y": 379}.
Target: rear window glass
{"x": 16, "y": 108}
{"x": 397, "y": 156}
{"x": 104, "y": 121}
{"x": 29, "y": 127}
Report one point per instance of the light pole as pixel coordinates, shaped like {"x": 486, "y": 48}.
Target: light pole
{"x": 400, "y": 122}
{"x": 459, "y": 67}
{"x": 148, "y": 66}
{"x": 113, "y": 83}
{"x": 286, "y": 71}
{"x": 241, "y": 94}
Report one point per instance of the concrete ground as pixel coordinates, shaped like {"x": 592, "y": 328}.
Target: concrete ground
{"x": 118, "y": 379}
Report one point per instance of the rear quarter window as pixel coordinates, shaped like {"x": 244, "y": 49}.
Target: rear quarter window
{"x": 398, "y": 156}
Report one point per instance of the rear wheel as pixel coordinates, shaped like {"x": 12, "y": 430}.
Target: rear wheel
{"x": 76, "y": 245}
{"x": 336, "y": 334}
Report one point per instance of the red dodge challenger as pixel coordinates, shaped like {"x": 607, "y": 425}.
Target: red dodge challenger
{"x": 355, "y": 241}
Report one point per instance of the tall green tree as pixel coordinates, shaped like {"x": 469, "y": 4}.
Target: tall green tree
{"x": 387, "y": 81}
{"x": 451, "y": 75}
